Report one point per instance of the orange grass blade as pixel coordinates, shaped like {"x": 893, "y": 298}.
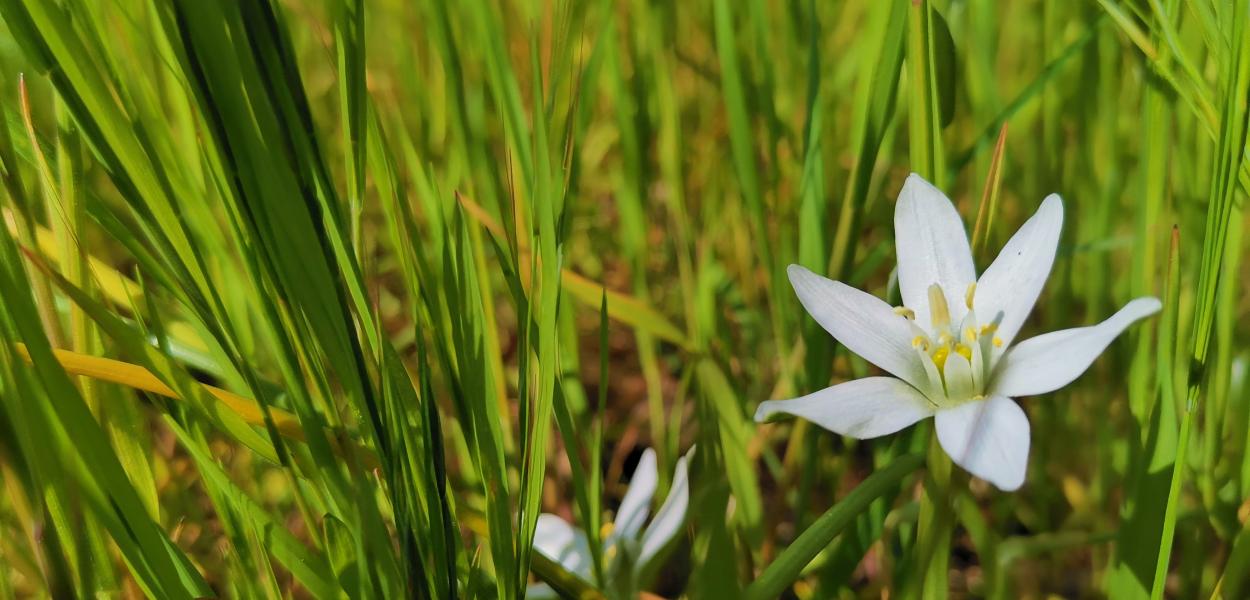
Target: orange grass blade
{"x": 137, "y": 377}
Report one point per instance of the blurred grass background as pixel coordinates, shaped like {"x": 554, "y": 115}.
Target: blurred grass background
{"x": 451, "y": 265}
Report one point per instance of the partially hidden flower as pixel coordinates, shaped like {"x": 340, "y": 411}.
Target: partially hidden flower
{"x": 949, "y": 347}
{"x": 628, "y": 549}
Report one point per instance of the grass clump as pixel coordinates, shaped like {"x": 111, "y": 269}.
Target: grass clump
{"x": 335, "y": 298}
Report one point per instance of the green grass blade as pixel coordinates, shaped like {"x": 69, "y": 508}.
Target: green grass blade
{"x": 785, "y": 569}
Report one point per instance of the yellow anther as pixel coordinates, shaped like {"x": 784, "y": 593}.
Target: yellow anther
{"x": 606, "y": 530}
{"x": 998, "y": 342}
{"x": 938, "y": 310}
{"x": 921, "y": 342}
{"x": 970, "y": 334}
{"x": 945, "y": 339}
{"x": 978, "y": 397}
{"x": 972, "y": 291}
{"x": 990, "y": 328}
{"x": 964, "y": 351}
{"x": 903, "y": 311}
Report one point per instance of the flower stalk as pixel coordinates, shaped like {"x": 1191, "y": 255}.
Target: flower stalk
{"x": 936, "y": 523}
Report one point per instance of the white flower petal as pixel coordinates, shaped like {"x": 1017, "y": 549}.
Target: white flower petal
{"x": 932, "y": 248}
{"x": 958, "y": 372}
{"x": 863, "y": 408}
{"x": 1012, "y": 283}
{"x": 863, "y": 323}
{"x": 988, "y": 438}
{"x": 564, "y": 544}
{"x": 636, "y": 504}
{"x": 1050, "y": 361}
{"x": 671, "y": 516}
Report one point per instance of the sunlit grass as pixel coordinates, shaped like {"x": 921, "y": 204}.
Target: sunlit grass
{"x": 334, "y": 298}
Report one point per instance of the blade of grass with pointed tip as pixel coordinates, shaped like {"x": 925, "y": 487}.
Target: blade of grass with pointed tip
{"x": 160, "y": 567}
{"x": 742, "y": 147}
{"x": 308, "y": 568}
{"x": 1229, "y": 160}
{"x": 988, "y": 209}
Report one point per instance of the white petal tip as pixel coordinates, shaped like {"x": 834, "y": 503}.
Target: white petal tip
{"x": 798, "y": 273}
{"x": 917, "y": 185}
{"x": 765, "y": 411}
{"x": 1007, "y": 481}
{"x": 1143, "y": 307}
{"x": 915, "y": 178}
{"x": 1008, "y": 486}
{"x": 1052, "y": 203}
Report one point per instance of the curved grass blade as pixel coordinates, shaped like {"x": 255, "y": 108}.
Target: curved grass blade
{"x": 137, "y": 377}
{"x": 785, "y": 570}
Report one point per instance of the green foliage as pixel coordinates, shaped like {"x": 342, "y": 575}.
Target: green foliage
{"x": 416, "y": 237}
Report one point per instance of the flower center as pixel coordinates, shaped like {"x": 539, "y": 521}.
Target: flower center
{"x": 953, "y": 380}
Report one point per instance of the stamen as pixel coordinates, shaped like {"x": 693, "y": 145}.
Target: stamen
{"x": 939, "y": 357}
{"x": 903, "y": 311}
{"x": 990, "y": 328}
{"x": 998, "y": 342}
{"x": 921, "y": 342}
{"x": 970, "y": 335}
{"x": 978, "y": 397}
{"x": 938, "y": 310}
{"x": 964, "y": 351}
{"x": 978, "y": 365}
{"x": 972, "y": 291}
{"x": 945, "y": 339}
{"x": 934, "y": 376}
{"x": 606, "y": 530}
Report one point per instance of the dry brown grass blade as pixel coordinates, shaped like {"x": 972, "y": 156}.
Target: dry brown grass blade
{"x": 137, "y": 377}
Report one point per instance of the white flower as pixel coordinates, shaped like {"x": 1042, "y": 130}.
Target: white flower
{"x": 623, "y": 549}
{"x": 948, "y": 345}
